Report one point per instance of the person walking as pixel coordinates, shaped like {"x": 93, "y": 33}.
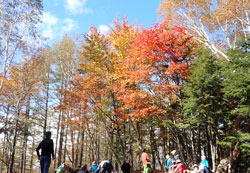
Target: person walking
{"x": 47, "y": 147}
{"x": 145, "y": 161}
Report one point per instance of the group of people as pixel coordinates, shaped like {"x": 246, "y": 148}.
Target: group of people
{"x": 47, "y": 153}
{"x": 104, "y": 167}
{"x": 173, "y": 164}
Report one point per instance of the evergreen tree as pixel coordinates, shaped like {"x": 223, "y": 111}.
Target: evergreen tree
{"x": 203, "y": 104}
{"x": 236, "y": 89}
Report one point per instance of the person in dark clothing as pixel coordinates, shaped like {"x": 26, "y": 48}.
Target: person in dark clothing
{"x": 84, "y": 169}
{"x": 107, "y": 167}
{"x": 47, "y": 147}
{"x": 125, "y": 167}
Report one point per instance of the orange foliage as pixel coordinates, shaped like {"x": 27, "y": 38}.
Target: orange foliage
{"x": 130, "y": 74}
{"x": 156, "y": 66}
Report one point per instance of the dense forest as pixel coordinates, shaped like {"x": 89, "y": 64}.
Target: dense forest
{"x": 182, "y": 84}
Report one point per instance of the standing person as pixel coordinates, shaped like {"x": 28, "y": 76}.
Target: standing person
{"x": 145, "y": 161}
{"x": 204, "y": 164}
{"x": 175, "y": 155}
{"x": 94, "y": 167}
{"x": 168, "y": 162}
{"x": 47, "y": 147}
{"x": 125, "y": 167}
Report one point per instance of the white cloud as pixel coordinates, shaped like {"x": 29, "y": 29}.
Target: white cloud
{"x": 49, "y": 19}
{"x": 51, "y": 27}
{"x": 69, "y": 25}
{"x": 103, "y": 29}
{"x": 48, "y": 33}
{"x": 77, "y": 6}
{"x": 48, "y": 25}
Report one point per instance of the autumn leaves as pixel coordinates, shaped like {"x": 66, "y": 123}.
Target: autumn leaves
{"x": 129, "y": 72}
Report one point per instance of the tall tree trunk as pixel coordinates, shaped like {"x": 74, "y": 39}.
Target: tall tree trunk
{"x": 32, "y": 155}
{"x": 13, "y": 149}
{"x": 139, "y": 136}
{"x": 198, "y": 144}
{"x": 131, "y": 146}
{"x": 97, "y": 148}
{"x": 60, "y": 152}
{"x": 57, "y": 137}
{"x": 82, "y": 148}
{"x": 164, "y": 141}
{"x": 152, "y": 145}
{"x": 26, "y": 133}
{"x": 207, "y": 146}
{"x": 213, "y": 147}
{"x": 23, "y": 159}
{"x": 65, "y": 145}
{"x": 73, "y": 146}
{"x": 12, "y": 160}
{"x": 77, "y": 149}
{"x": 46, "y": 102}
{"x": 62, "y": 124}
{"x": 4, "y": 151}
{"x": 5, "y": 138}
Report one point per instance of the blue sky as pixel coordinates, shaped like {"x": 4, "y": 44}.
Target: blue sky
{"x": 75, "y": 16}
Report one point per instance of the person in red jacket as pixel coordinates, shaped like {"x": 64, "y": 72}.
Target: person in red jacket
{"x": 180, "y": 168}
